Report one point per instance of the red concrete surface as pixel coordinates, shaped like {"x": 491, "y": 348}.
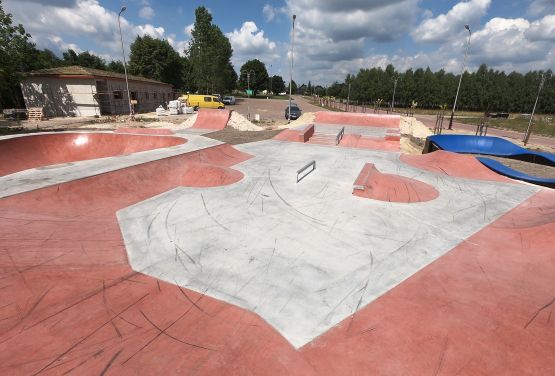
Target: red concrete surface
{"x": 392, "y": 188}
{"x": 372, "y": 120}
{"x": 453, "y": 164}
{"x": 371, "y": 143}
{"x": 307, "y": 132}
{"x": 212, "y": 119}
{"x": 292, "y": 135}
{"x": 22, "y": 153}
{"x": 485, "y": 308}
{"x": 70, "y": 303}
{"x": 157, "y": 131}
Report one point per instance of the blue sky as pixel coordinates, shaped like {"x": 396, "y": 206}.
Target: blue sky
{"x": 333, "y": 37}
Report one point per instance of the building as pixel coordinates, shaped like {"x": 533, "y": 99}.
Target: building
{"x": 78, "y": 91}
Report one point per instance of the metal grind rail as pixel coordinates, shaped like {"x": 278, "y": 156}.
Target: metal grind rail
{"x": 302, "y": 169}
{"x": 339, "y": 136}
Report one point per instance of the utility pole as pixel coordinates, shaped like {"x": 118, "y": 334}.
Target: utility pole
{"x": 131, "y": 114}
{"x": 529, "y": 130}
{"x": 291, "y": 68}
{"x": 349, "y": 96}
{"x": 460, "y": 79}
{"x": 393, "y": 99}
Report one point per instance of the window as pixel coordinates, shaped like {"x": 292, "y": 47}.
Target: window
{"x": 208, "y": 99}
{"x": 155, "y": 95}
{"x": 118, "y": 94}
{"x": 134, "y": 95}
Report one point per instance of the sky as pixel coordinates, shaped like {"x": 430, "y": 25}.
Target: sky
{"x": 332, "y": 38}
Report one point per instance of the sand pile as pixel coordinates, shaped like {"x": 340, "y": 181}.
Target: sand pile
{"x": 306, "y": 118}
{"x": 241, "y": 123}
{"x": 412, "y": 127}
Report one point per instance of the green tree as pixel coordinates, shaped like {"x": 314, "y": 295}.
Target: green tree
{"x": 293, "y": 88}
{"x": 115, "y": 66}
{"x": 278, "y": 85}
{"x": 253, "y": 74}
{"x": 156, "y": 59}
{"x": 209, "y": 54}
{"x": 17, "y": 55}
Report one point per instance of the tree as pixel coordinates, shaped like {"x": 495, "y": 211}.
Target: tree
{"x": 156, "y": 59}
{"x": 84, "y": 59}
{"x": 116, "y": 66}
{"x": 209, "y": 54}
{"x": 293, "y": 88}
{"x": 253, "y": 74}
{"x": 17, "y": 55}
{"x": 278, "y": 85}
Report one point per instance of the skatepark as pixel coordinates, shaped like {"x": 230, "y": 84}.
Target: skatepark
{"x": 322, "y": 251}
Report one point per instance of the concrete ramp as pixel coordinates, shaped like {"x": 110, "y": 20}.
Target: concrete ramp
{"x": 452, "y": 164}
{"x": 212, "y": 119}
{"x": 22, "y": 153}
{"x": 371, "y": 183}
{"x": 369, "y": 120}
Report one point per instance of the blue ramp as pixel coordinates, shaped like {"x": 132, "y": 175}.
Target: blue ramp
{"x": 500, "y": 168}
{"x": 488, "y": 145}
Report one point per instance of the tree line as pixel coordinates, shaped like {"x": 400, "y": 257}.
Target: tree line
{"x": 485, "y": 90}
{"x": 205, "y": 67}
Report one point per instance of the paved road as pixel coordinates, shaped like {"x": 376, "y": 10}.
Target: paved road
{"x": 270, "y": 109}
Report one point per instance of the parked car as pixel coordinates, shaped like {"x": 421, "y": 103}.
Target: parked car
{"x": 295, "y": 112}
{"x": 229, "y": 99}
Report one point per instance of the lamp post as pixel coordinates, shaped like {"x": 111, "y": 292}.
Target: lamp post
{"x": 291, "y": 68}
{"x": 393, "y": 99}
{"x": 529, "y": 129}
{"x": 125, "y": 63}
{"x": 460, "y": 79}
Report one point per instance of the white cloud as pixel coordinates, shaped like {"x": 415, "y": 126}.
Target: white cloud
{"x": 250, "y": 43}
{"x": 541, "y": 7}
{"x": 445, "y": 26}
{"x": 188, "y": 30}
{"x": 78, "y": 19}
{"x": 269, "y": 12}
{"x": 146, "y": 12}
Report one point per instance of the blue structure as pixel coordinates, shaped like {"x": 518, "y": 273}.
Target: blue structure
{"x": 495, "y": 146}
{"x": 500, "y": 168}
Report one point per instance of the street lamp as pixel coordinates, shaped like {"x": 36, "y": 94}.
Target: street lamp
{"x": 125, "y": 63}
{"x": 460, "y": 79}
{"x": 393, "y": 99}
{"x": 291, "y": 68}
{"x": 529, "y": 129}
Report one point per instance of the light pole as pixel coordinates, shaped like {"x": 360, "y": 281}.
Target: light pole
{"x": 125, "y": 64}
{"x": 393, "y": 99}
{"x": 529, "y": 129}
{"x": 460, "y": 79}
{"x": 291, "y": 68}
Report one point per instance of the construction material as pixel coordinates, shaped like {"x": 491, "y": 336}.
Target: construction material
{"x": 35, "y": 113}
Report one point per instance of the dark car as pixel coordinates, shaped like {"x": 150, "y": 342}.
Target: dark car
{"x": 295, "y": 112}
{"x": 229, "y": 99}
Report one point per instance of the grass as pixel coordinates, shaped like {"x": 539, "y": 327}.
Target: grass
{"x": 543, "y": 125}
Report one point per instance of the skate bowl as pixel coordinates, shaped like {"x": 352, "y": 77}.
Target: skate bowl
{"x": 22, "y": 153}
{"x": 369, "y": 120}
{"x": 160, "y": 131}
{"x": 486, "y": 145}
{"x": 373, "y": 184}
{"x": 211, "y": 119}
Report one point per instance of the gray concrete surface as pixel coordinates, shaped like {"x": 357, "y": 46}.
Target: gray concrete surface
{"x": 304, "y": 256}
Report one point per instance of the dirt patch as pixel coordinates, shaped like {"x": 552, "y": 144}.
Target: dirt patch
{"x": 234, "y": 136}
